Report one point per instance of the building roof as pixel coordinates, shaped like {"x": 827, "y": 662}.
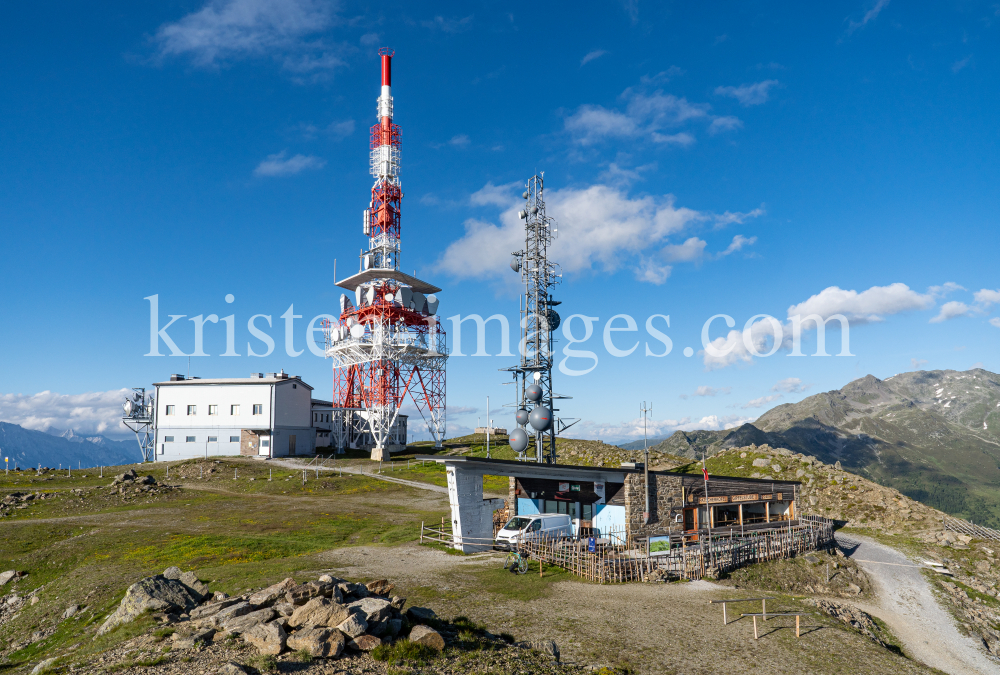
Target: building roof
{"x": 259, "y": 378}
{"x": 352, "y": 282}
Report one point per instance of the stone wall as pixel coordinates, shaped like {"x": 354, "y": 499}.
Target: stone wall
{"x": 664, "y": 504}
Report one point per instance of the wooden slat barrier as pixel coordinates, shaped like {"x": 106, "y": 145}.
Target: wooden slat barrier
{"x": 795, "y": 614}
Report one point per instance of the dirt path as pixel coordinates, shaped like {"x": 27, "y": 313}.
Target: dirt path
{"x": 907, "y": 604}
{"x": 359, "y": 471}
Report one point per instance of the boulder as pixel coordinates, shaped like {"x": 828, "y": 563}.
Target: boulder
{"x": 364, "y": 643}
{"x": 393, "y": 626}
{"x": 327, "y": 579}
{"x": 241, "y": 624}
{"x": 325, "y": 642}
{"x": 231, "y": 669}
{"x": 153, "y": 593}
{"x": 397, "y": 603}
{"x": 354, "y": 626}
{"x": 545, "y": 647}
{"x": 761, "y": 462}
{"x": 427, "y": 636}
{"x": 373, "y": 609}
{"x": 206, "y": 611}
{"x": 268, "y": 638}
{"x": 319, "y": 612}
{"x": 222, "y": 617}
{"x": 7, "y": 576}
{"x": 283, "y": 609}
{"x": 195, "y": 585}
{"x": 190, "y": 640}
{"x": 357, "y": 590}
{"x": 126, "y": 477}
{"x": 172, "y": 573}
{"x": 301, "y": 594}
{"x": 272, "y": 593}
{"x": 776, "y": 468}
{"x": 71, "y": 611}
{"x": 420, "y": 615}
{"x": 380, "y": 587}
{"x": 43, "y": 666}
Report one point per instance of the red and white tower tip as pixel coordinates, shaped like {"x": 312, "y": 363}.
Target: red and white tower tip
{"x": 388, "y": 342}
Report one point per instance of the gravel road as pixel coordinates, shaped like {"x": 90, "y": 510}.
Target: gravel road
{"x": 359, "y": 471}
{"x": 907, "y": 604}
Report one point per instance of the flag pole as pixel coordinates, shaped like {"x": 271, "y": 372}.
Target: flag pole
{"x": 708, "y": 507}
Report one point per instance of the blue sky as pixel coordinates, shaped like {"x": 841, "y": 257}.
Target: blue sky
{"x": 740, "y": 159}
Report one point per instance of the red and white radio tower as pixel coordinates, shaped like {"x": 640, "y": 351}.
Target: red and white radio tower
{"x": 388, "y": 343}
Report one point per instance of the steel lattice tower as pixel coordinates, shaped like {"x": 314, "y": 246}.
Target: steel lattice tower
{"x": 388, "y": 343}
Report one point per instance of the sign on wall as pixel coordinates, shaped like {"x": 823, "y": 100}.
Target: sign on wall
{"x": 563, "y": 487}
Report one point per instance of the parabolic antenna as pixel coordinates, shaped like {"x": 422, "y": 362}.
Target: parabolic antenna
{"x": 540, "y": 418}
{"x": 518, "y": 440}
{"x": 521, "y": 417}
{"x": 533, "y": 392}
{"x": 357, "y": 331}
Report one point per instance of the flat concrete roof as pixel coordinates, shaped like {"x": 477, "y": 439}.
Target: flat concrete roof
{"x": 352, "y": 282}
{"x": 234, "y": 380}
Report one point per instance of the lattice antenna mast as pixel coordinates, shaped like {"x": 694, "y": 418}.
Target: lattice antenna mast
{"x": 538, "y": 321}
{"x": 139, "y": 409}
{"x": 389, "y": 344}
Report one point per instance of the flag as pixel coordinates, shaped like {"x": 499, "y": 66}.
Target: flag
{"x": 705, "y": 471}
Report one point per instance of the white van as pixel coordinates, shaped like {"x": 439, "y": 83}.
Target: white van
{"x": 547, "y": 525}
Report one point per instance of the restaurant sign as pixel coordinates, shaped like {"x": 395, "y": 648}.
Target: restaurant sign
{"x": 715, "y": 500}
{"x": 744, "y": 498}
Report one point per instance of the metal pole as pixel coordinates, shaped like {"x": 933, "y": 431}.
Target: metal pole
{"x": 644, "y": 411}
{"x": 487, "y": 427}
{"x": 708, "y": 507}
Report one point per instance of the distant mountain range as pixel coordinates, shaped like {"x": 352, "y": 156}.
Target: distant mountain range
{"x": 932, "y": 435}
{"x": 52, "y": 448}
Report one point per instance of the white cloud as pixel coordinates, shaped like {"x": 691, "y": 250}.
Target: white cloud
{"x": 748, "y": 94}
{"x": 340, "y": 130}
{"x": 725, "y": 123}
{"x": 690, "y": 250}
{"x": 944, "y": 289}
{"x": 599, "y": 228}
{"x": 459, "y": 141}
{"x": 987, "y": 297}
{"x": 448, "y": 25}
{"x": 918, "y": 363}
{"x": 951, "y": 310}
{"x": 790, "y": 385}
{"x": 633, "y": 429}
{"x": 591, "y": 56}
{"x": 98, "y": 412}
{"x": 661, "y": 77}
{"x": 961, "y": 64}
{"x": 280, "y": 165}
{"x": 762, "y": 401}
{"x": 739, "y": 241}
{"x": 870, "y": 15}
{"x": 645, "y": 117}
{"x": 225, "y": 30}
{"x": 732, "y": 349}
{"x": 705, "y": 390}
{"x": 370, "y": 39}
{"x": 495, "y": 195}
{"x": 995, "y": 321}
{"x": 865, "y": 307}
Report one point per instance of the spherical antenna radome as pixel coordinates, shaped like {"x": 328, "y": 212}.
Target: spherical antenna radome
{"x": 518, "y": 440}
{"x": 521, "y": 417}
{"x": 540, "y": 418}
{"x": 533, "y": 392}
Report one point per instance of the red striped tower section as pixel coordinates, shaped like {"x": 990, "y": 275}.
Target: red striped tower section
{"x": 388, "y": 343}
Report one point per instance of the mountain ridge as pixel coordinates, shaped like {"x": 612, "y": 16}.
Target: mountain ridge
{"x": 30, "y": 448}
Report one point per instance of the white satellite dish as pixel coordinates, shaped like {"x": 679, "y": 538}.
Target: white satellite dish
{"x": 370, "y": 296}
{"x": 127, "y": 406}
{"x": 357, "y": 331}
{"x": 432, "y": 304}
{"x": 357, "y": 296}
{"x": 389, "y": 297}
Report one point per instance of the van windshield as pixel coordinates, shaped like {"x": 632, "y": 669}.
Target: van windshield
{"x": 517, "y": 523}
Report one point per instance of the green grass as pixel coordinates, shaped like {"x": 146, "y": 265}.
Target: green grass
{"x": 404, "y": 653}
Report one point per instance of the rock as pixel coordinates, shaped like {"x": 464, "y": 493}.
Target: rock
{"x": 800, "y": 473}
{"x": 373, "y": 609}
{"x": 206, "y": 611}
{"x": 196, "y": 586}
{"x": 380, "y": 587}
{"x": 153, "y": 593}
{"x": 397, "y": 603}
{"x": 126, "y": 477}
{"x": 172, "y": 573}
{"x": 545, "y": 647}
{"x": 761, "y": 462}
{"x": 326, "y": 642}
{"x": 283, "y": 609}
{"x": 191, "y": 640}
{"x": 776, "y": 468}
{"x": 270, "y": 595}
{"x": 811, "y": 559}
{"x": 71, "y": 611}
{"x": 222, "y": 617}
{"x": 219, "y": 596}
{"x": 427, "y": 636}
{"x": 357, "y": 590}
{"x": 853, "y": 589}
{"x": 7, "y": 576}
{"x": 354, "y": 626}
{"x": 231, "y": 669}
{"x": 268, "y": 638}
{"x": 812, "y": 500}
{"x": 241, "y": 624}
{"x": 319, "y": 612}
{"x": 420, "y": 615}
{"x": 43, "y": 666}
{"x": 301, "y": 594}
{"x": 836, "y": 465}
{"x": 364, "y": 643}
{"x": 377, "y": 628}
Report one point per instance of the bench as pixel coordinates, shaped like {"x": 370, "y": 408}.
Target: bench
{"x": 763, "y": 606}
{"x": 795, "y": 614}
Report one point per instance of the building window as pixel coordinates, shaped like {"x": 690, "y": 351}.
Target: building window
{"x": 213, "y": 439}
{"x": 327, "y": 418}
{"x": 295, "y": 386}
{"x": 258, "y": 408}
{"x": 170, "y": 410}
{"x": 192, "y": 410}
{"x": 234, "y": 439}
{"x": 234, "y": 410}
{"x": 168, "y": 439}
{"x": 189, "y": 439}
{"x": 265, "y": 443}
{"x": 213, "y": 410}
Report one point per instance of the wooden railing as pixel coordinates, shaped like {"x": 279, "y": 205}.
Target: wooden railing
{"x": 965, "y": 527}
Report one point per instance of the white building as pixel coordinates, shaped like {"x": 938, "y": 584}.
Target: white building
{"x": 266, "y": 416}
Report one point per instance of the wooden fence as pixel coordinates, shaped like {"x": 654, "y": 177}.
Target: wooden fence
{"x": 965, "y": 527}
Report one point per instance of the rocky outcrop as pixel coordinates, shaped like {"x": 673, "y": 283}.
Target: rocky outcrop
{"x": 324, "y": 642}
{"x": 151, "y": 594}
{"x": 268, "y": 638}
{"x": 427, "y": 636}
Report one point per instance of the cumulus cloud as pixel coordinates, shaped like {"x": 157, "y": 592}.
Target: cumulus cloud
{"x": 599, "y": 228}
{"x": 724, "y": 123}
{"x": 633, "y": 429}
{"x": 951, "y": 310}
{"x": 229, "y": 30}
{"x": 762, "y": 401}
{"x": 790, "y": 385}
{"x": 281, "y": 165}
{"x": 459, "y": 141}
{"x": 987, "y": 297}
{"x": 748, "y": 94}
{"x": 869, "y": 16}
{"x": 995, "y": 321}
{"x": 738, "y": 243}
{"x": 705, "y": 390}
{"x": 646, "y": 116}
{"x": 590, "y": 56}
{"x": 92, "y": 413}
{"x": 866, "y": 307}
{"x": 944, "y": 289}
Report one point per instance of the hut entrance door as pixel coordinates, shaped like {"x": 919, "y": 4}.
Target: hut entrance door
{"x": 690, "y": 520}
